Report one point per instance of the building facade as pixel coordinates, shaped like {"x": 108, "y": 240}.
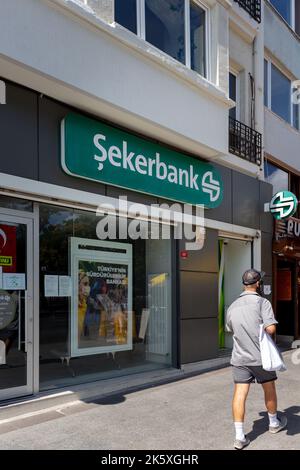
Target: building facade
{"x": 282, "y": 143}
{"x": 160, "y": 103}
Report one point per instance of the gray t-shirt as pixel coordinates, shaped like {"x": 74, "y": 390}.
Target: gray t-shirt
{"x": 244, "y": 316}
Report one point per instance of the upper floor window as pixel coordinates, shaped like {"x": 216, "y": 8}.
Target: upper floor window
{"x": 278, "y": 95}
{"x": 284, "y": 8}
{"x": 164, "y": 22}
{"x": 266, "y": 83}
{"x": 290, "y": 12}
{"x": 233, "y": 95}
{"x": 176, "y": 27}
{"x": 125, "y": 14}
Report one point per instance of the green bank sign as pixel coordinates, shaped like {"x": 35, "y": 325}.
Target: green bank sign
{"x": 96, "y": 151}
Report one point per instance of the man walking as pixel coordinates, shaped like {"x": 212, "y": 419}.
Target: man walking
{"x": 243, "y": 319}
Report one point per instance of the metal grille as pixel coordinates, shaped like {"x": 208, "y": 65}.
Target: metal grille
{"x": 244, "y": 141}
{"x": 253, "y": 7}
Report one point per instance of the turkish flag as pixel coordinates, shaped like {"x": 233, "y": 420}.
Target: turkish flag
{"x": 8, "y": 248}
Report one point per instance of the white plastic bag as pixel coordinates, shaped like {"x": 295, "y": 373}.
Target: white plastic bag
{"x": 270, "y": 356}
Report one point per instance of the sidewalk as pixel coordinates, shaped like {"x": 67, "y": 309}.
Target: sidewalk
{"x": 192, "y": 413}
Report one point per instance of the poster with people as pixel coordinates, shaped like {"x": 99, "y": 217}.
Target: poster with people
{"x": 102, "y": 315}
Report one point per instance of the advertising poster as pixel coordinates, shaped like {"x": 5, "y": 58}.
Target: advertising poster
{"x": 101, "y": 316}
{"x": 8, "y": 248}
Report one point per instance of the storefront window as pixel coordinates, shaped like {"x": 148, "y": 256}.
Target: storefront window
{"x": 105, "y": 306}
{"x": 277, "y": 177}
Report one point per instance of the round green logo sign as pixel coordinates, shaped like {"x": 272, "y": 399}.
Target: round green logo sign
{"x": 283, "y": 205}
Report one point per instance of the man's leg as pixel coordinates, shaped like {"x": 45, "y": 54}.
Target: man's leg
{"x": 239, "y": 402}
{"x": 276, "y": 424}
{"x": 270, "y": 397}
{"x": 238, "y": 408}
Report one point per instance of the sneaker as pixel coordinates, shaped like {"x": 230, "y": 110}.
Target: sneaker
{"x": 239, "y": 445}
{"x": 282, "y": 425}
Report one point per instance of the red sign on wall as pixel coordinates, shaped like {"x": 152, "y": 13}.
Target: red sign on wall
{"x": 284, "y": 284}
{"x": 8, "y": 248}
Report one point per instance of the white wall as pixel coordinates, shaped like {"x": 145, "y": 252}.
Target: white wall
{"x": 241, "y": 57}
{"x": 282, "y": 141}
{"x": 237, "y": 261}
{"x": 73, "y": 56}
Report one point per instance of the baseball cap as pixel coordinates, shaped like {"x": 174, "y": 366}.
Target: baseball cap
{"x": 251, "y": 276}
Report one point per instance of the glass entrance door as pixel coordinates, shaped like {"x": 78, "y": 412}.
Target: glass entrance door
{"x": 16, "y": 306}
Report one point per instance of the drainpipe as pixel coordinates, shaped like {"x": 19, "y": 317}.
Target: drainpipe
{"x": 258, "y": 73}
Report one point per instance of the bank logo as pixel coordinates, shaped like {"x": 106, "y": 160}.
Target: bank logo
{"x": 283, "y": 205}
{"x": 211, "y": 186}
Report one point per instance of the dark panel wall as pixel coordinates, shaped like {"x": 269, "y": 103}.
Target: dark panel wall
{"x": 224, "y": 211}
{"x": 245, "y": 190}
{"x": 266, "y": 219}
{"x": 205, "y": 260}
{"x": 199, "y": 301}
{"x": 199, "y": 294}
{"x": 50, "y": 115}
{"x": 18, "y": 133}
{"x": 266, "y": 253}
{"x": 198, "y": 338}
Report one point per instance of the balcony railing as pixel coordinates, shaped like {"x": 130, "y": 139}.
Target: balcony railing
{"x": 253, "y": 7}
{"x": 244, "y": 141}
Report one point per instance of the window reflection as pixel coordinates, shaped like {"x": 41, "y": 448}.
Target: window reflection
{"x": 266, "y": 85}
{"x": 197, "y": 27}
{"x": 232, "y": 94}
{"x": 277, "y": 177}
{"x": 280, "y": 94}
{"x": 165, "y": 26}
{"x": 284, "y": 9}
{"x": 125, "y": 14}
{"x": 16, "y": 203}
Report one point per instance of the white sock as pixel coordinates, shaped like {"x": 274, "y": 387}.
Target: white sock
{"x": 239, "y": 431}
{"x": 273, "y": 420}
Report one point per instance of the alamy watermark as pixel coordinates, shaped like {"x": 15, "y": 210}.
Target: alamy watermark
{"x": 158, "y": 221}
{"x": 295, "y": 358}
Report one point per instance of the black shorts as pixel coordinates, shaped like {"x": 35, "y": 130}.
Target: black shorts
{"x": 250, "y": 374}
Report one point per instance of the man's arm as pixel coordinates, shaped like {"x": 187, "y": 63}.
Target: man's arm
{"x": 268, "y": 317}
{"x": 271, "y": 330}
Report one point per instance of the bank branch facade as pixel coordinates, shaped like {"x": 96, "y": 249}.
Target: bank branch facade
{"x": 76, "y": 306}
